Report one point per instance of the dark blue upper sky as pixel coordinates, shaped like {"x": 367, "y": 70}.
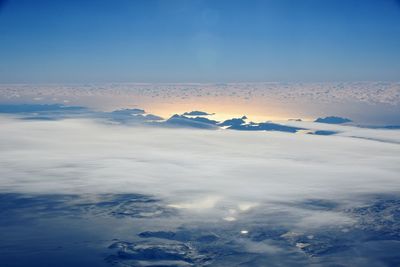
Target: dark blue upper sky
{"x": 199, "y": 41}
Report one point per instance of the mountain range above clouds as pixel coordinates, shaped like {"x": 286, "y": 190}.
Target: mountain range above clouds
{"x": 330, "y": 125}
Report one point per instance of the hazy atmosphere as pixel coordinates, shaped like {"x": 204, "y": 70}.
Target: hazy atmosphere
{"x": 199, "y": 133}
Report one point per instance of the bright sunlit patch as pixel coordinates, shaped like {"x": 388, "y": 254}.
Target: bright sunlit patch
{"x": 200, "y": 204}
{"x": 230, "y": 219}
{"x": 247, "y": 206}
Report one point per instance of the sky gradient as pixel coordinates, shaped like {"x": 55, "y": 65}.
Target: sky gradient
{"x": 198, "y": 41}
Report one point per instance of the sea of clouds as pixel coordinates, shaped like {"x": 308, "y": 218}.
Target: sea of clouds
{"x": 200, "y": 171}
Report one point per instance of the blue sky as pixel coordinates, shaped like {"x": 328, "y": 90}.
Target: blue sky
{"x": 198, "y": 41}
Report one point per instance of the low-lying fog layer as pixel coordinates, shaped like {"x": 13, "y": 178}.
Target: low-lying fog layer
{"x": 80, "y": 192}
{"x": 193, "y": 169}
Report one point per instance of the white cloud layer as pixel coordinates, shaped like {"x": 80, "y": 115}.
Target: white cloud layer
{"x": 196, "y": 169}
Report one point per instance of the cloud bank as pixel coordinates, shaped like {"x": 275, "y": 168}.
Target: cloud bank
{"x": 82, "y": 156}
{"x": 252, "y": 197}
